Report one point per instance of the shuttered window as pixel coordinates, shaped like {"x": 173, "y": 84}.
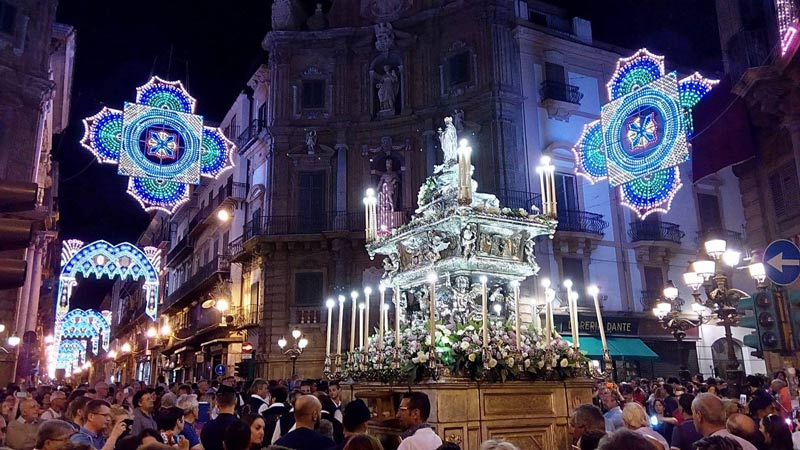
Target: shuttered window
{"x": 307, "y": 288}
{"x": 785, "y": 191}
{"x": 710, "y": 216}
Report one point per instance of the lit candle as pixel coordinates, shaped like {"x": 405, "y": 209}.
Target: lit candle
{"x": 354, "y": 297}
{"x": 545, "y": 193}
{"x": 329, "y": 303}
{"x": 367, "y": 293}
{"x": 397, "y": 317}
{"x": 341, "y": 317}
{"x": 573, "y": 312}
{"x": 515, "y": 287}
{"x": 548, "y": 314}
{"x": 552, "y": 178}
{"x": 464, "y": 166}
{"x": 367, "y": 221}
{"x": 381, "y": 319}
{"x": 386, "y": 318}
{"x": 361, "y": 326}
{"x": 594, "y": 291}
{"x": 485, "y": 311}
{"x": 537, "y": 320}
{"x": 432, "y": 278}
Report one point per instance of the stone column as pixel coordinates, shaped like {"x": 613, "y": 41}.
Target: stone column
{"x": 341, "y": 174}
{"x": 36, "y": 284}
{"x": 24, "y": 293}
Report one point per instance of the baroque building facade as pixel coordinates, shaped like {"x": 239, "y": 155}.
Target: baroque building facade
{"x": 352, "y": 98}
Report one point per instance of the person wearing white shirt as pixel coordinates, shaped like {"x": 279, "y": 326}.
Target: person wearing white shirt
{"x": 708, "y": 413}
{"x": 415, "y": 407}
{"x": 58, "y": 402}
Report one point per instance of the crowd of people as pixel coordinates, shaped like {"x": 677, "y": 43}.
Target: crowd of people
{"x": 310, "y": 415}
{"x": 688, "y": 414}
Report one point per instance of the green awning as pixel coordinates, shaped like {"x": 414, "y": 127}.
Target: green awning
{"x": 620, "y": 348}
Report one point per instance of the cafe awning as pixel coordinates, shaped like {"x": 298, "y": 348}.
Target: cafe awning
{"x": 619, "y": 348}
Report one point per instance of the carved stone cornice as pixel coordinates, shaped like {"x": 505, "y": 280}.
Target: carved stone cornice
{"x": 574, "y": 244}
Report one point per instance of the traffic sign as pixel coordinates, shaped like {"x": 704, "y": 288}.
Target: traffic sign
{"x": 782, "y": 262}
{"x": 219, "y": 369}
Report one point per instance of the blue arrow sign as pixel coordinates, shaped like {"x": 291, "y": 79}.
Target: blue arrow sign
{"x": 782, "y": 262}
{"x": 219, "y": 369}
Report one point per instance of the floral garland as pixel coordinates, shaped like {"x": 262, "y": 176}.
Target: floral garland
{"x": 460, "y": 352}
{"x": 426, "y": 191}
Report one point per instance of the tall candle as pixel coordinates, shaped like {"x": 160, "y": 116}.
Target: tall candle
{"x": 515, "y": 286}
{"x": 537, "y": 320}
{"x": 367, "y": 220}
{"x": 367, "y": 293}
{"x": 593, "y": 291}
{"x": 485, "y": 311}
{"x": 545, "y": 193}
{"x": 381, "y": 320}
{"x": 329, "y": 304}
{"x": 341, "y": 317}
{"x": 548, "y": 321}
{"x": 397, "y": 317}
{"x": 361, "y": 325}
{"x": 432, "y": 278}
{"x": 551, "y": 177}
{"x": 385, "y": 318}
{"x": 354, "y": 297}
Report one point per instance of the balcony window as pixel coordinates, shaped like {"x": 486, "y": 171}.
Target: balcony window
{"x": 262, "y": 116}
{"x": 8, "y": 16}
{"x": 313, "y": 94}
{"x": 785, "y": 192}
{"x": 566, "y": 192}
{"x": 710, "y": 215}
{"x": 458, "y": 68}
{"x": 308, "y": 288}
{"x": 311, "y": 201}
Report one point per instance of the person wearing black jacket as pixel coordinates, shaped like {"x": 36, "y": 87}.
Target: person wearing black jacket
{"x": 278, "y": 412}
{"x": 214, "y": 431}
{"x": 257, "y": 400}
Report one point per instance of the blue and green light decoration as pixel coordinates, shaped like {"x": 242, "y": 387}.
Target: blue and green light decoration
{"x": 160, "y": 143}
{"x": 643, "y": 132}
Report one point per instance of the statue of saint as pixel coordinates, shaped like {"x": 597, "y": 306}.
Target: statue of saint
{"x": 387, "y": 186}
{"x": 311, "y": 141}
{"x": 388, "y": 88}
{"x": 449, "y": 139}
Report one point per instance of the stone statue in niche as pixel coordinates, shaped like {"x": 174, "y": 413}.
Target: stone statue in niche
{"x": 388, "y": 87}
{"x": 387, "y": 188}
{"x": 469, "y": 235}
{"x": 311, "y": 141}
{"x": 384, "y": 37}
{"x": 318, "y": 20}
{"x": 449, "y": 140}
{"x": 286, "y": 15}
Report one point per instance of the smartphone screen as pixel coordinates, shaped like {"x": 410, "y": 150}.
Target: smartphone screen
{"x": 743, "y": 399}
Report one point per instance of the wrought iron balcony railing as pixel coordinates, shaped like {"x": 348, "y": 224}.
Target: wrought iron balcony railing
{"x": 562, "y": 92}
{"x": 520, "y": 199}
{"x": 248, "y": 316}
{"x": 220, "y": 264}
{"x": 183, "y": 246}
{"x": 655, "y": 231}
{"x": 581, "y": 222}
{"x": 237, "y": 191}
{"x": 249, "y": 133}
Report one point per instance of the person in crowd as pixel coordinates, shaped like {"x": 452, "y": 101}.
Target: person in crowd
{"x": 277, "y": 416}
{"x": 258, "y": 397}
{"x": 328, "y": 410}
{"x": 168, "y": 400}
{"x": 613, "y": 414}
{"x": 203, "y": 388}
{"x": 356, "y": 415}
{"x": 97, "y": 415}
{"x": 237, "y": 435}
{"x": 101, "y": 391}
{"x": 53, "y": 434}
{"x": 184, "y": 389}
{"x": 307, "y": 413}
{"x": 585, "y": 418}
{"x": 150, "y": 436}
{"x": 761, "y": 405}
{"x": 635, "y": 419}
{"x": 784, "y": 398}
{"x": 58, "y": 403}
{"x": 170, "y": 425}
{"x": 591, "y": 439}
{"x": 743, "y": 426}
{"x": 75, "y": 411}
{"x": 709, "y": 419}
{"x": 306, "y": 387}
{"x": 143, "y": 403}
{"x": 335, "y": 393}
{"x": 213, "y": 432}
{"x": 624, "y": 439}
{"x": 364, "y": 442}
{"x": 413, "y": 412}
{"x": 256, "y": 422}
{"x": 191, "y": 409}
{"x": 685, "y": 434}
{"x": 663, "y": 423}
{"x": 717, "y": 443}
{"x": 777, "y": 435}
{"x": 21, "y": 432}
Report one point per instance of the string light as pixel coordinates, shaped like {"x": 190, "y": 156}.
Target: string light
{"x": 652, "y": 193}
{"x": 160, "y": 195}
{"x": 634, "y": 72}
{"x": 102, "y": 135}
{"x": 690, "y": 91}
{"x": 171, "y": 95}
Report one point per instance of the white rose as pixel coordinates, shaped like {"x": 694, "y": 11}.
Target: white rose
{"x": 510, "y": 361}
{"x": 422, "y": 357}
{"x": 460, "y": 332}
{"x": 492, "y": 363}
{"x": 472, "y": 357}
{"x": 464, "y": 345}
{"x": 415, "y": 360}
{"x": 564, "y": 363}
{"x": 527, "y": 363}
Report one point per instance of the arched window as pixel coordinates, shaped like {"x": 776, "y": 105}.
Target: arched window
{"x": 719, "y": 353}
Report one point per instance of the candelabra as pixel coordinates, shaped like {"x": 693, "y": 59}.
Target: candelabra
{"x": 294, "y": 352}
{"x": 670, "y": 315}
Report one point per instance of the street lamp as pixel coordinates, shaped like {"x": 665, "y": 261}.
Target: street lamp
{"x": 300, "y": 343}
{"x": 126, "y": 347}
{"x": 669, "y": 314}
{"x": 13, "y": 340}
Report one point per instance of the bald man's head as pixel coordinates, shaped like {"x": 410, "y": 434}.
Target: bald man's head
{"x": 307, "y": 409}
{"x": 742, "y": 426}
{"x": 708, "y": 413}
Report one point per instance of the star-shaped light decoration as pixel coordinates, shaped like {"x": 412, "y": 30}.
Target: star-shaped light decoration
{"x": 640, "y": 152}
{"x": 160, "y": 143}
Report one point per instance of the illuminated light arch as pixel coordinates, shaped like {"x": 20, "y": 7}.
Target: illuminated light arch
{"x": 642, "y": 135}
{"x": 100, "y": 259}
{"x": 160, "y": 143}
{"x": 71, "y": 354}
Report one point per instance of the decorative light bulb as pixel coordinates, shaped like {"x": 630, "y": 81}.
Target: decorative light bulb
{"x": 757, "y": 271}
{"x": 432, "y": 277}
{"x": 282, "y": 342}
{"x": 223, "y": 215}
{"x": 483, "y": 279}
{"x": 568, "y": 283}
{"x": 126, "y": 348}
{"x": 222, "y": 305}
{"x": 545, "y": 283}
{"x": 330, "y": 303}
{"x": 593, "y": 290}
{"x": 296, "y": 333}
{"x": 367, "y": 290}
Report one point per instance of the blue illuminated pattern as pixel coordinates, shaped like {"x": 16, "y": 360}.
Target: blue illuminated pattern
{"x": 87, "y": 324}
{"x": 160, "y": 144}
{"x": 71, "y": 354}
{"x": 642, "y": 134}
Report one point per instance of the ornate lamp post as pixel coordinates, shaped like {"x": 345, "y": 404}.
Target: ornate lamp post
{"x": 672, "y": 319}
{"x": 300, "y": 343}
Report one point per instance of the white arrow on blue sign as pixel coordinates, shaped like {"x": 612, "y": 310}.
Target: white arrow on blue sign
{"x": 782, "y": 262}
{"x": 219, "y": 369}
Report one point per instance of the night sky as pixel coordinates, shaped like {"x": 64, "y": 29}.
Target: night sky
{"x": 214, "y": 47}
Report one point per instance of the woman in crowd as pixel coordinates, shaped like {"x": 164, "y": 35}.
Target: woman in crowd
{"x": 257, "y": 424}
{"x": 364, "y": 442}
{"x": 635, "y": 419}
{"x": 663, "y": 424}
{"x": 777, "y": 435}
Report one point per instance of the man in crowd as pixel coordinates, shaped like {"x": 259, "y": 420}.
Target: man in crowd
{"x": 761, "y": 405}
{"x": 613, "y": 415}
{"x": 335, "y": 392}
{"x": 709, "y": 419}
{"x": 277, "y": 418}
{"x": 415, "y": 407}
{"x": 21, "y": 432}
{"x": 684, "y": 434}
{"x": 305, "y": 387}
{"x": 101, "y": 391}
{"x": 143, "y": 404}
{"x": 98, "y": 420}
{"x": 586, "y": 418}
{"x": 58, "y": 403}
{"x": 744, "y": 427}
{"x": 356, "y": 415}
{"x": 258, "y": 397}
{"x": 307, "y": 413}
{"x": 214, "y": 431}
